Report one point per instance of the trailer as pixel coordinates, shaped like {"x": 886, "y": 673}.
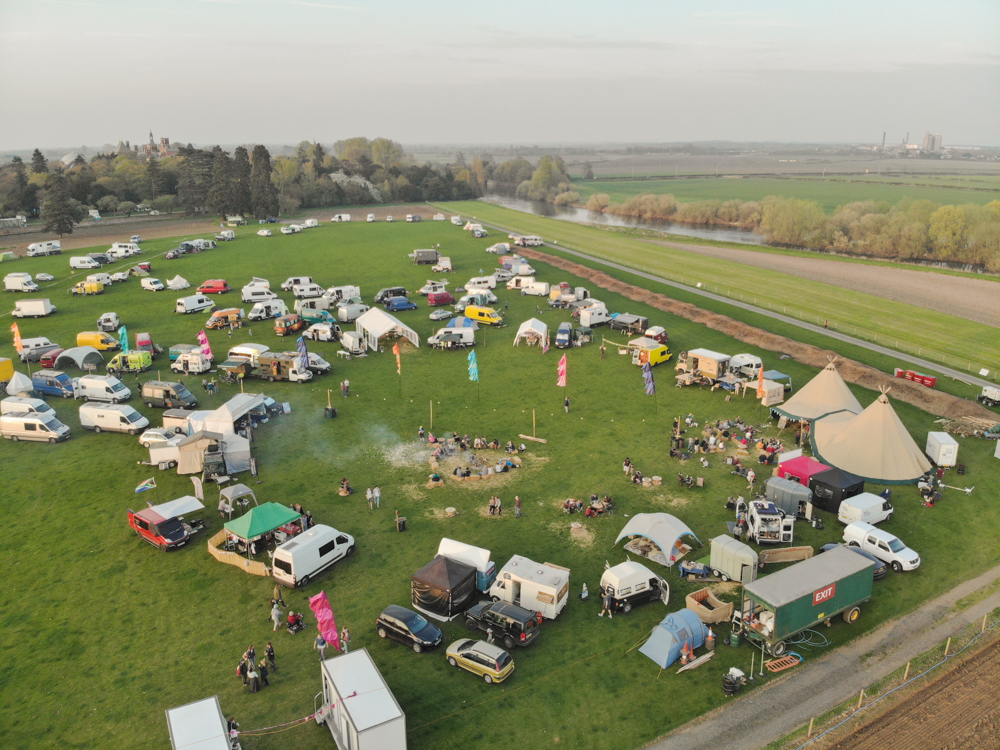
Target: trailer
{"x": 540, "y": 587}
{"x": 704, "y": 363}
{"x": 732, "y": 560}
{"x": 629, "y": 323}
{"x": 779, "y": 606}
{"x": 477, "y": 557}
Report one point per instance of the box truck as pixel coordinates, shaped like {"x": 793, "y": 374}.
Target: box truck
{"x": 19, "y": 282}
{"x": 33, "y": 308}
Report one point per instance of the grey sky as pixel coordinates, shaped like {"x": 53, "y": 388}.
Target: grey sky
{"x": 75, "y": 72}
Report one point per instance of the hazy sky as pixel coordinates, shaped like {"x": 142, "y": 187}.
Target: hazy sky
{"x": 87, "y": 72}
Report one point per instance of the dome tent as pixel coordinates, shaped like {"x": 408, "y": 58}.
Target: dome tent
{"x": 668, "y": 638}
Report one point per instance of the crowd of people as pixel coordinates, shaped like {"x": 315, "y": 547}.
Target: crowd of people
{"x": 254, "y": 671}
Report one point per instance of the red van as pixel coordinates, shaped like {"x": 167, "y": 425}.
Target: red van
{"x": 48, "y": 359}
{"x": 214, "y": 286}
{"x": 436, "y": 299}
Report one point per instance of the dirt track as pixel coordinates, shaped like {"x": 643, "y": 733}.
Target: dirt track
{"x": 932, "y": 401}
{"x": 959, "y": 710}
{"x": 972, "y": 299}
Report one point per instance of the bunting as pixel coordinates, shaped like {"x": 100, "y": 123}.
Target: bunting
{"x": 205, "y": 348}
{"x": 561, "y": 371}
{"x": 17, "y": 337}
{"x": 325, "y": 621}
{"x": 647, "y": 376}
{"x": 399, "y": 362}
{"x": 123, "y": 339}
{"x": 300, "y": 344}
{"x": 473, "y": 367}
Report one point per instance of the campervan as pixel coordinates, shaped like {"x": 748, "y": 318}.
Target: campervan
{"x": 191, "y": 362}
{"x": 338, "y": 218}
{"x": 452, "y": 338}
{"x": 305, "y": 556}
{"x": 594, "y": 315}
{"x": 53, "y": 383}
{"x": 32, "y": 349}
{"x": 101, "y": 388}
{"x": 353, "y": 342}
{"x": 865, "y": 507}
{"x": 254, "y": 293}
{"x": 350, "y": 313}
{"x": 536, "y": 289}
{"x": 274, "y": 366}
{"x": 436, "y": 299}
{"x": 49, "y": 247}
{"x": 19, "y": 282}
{"x": 564, "y": 336}
{"x": 745, "y": 365}
{"x": 231, "y": 317}
{"x": 432, "y": 286}
{"x": 104, "y": 279}
{"x": 337, "y": 293}
{"x": 481, "y": 282}
{"x": 33, "y": 308}
{"x": 215, "y": 286}
{"x": 382, "y": 295}
{"x": 308, "y": 289}
{"x": 310, "y": 224}
{"x": 371, "y": 218}
{"x": 631, "y": 583}
{"x": 708, "y": 364}
{"x": 540, "y": 587}
{"x": 99, "y": 340}
{"x": 108, "y": 322}
{"x": 477, "y": 557}
{"x": 17, "y": 405}
{"x": 128, "y": 248}
{"x": 32, "y": 426}
{"x": 274, "y": 308}
{"x": 112, "y": 418}
{"x": 519, "y": 282}
{"x": 194, "y": 303}
{"x": 292, "y": 281}
{"x": 165, "y": 394}
{"x": 83, "y": 263}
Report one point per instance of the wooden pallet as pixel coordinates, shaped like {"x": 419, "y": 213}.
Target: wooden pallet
{"x": 785, "y": 662}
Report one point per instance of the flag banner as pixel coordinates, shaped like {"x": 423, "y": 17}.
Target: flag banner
{"x": 300, "y": 344}
{"x": 123, "y": 339}
{"x": 325, "y": 621}
{"x": 545, "y": 346}
{"x": 561, "y": 370}
{"x": 17, "y": 337}
{"x": 647, "y": 377}
{"x": 149, "y": 484}
{"x": 760, "y": 383}
{"x": 399, "y": 362}
{"x": 198, "y": 491}
{"x": 473, "y": 367}
{"x": 205, "y": 348}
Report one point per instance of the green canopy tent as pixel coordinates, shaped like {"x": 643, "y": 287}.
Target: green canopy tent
{"x": 260, "y": 520}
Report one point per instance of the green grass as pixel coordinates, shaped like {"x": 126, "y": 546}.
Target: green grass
{"x": 102, "y": 633}
{"x": 942, "y": 338}
{"x": 829, "y": 193}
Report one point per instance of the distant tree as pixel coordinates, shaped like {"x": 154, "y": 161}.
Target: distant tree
{"x": 241, "y": 181}
{"x": 39, "y": 163}
{"x": 790, "y": 221}
{"x": 459, "y": 162}
{"x": 947, "y": 231}
{"x": 79, "y": 161}
{"x": 108, "y": 204}
{"x": 318, "y": 160}
{"x": 57, "y": 210}
{"x": 387, "y": 153}
{"x": 263, "y": 196}
{"x": 126, "y": 207}
{"x": 588, "y": 171}
{"x": 154, "y": 177}
{"x": 352, "y": 148}
{"x": 597, "y": 202}
{"x": 219, "y": 200}
{"x": 195, "y": 179}
{"x": 165, "y": 204}
{"x": 303, "y": 152}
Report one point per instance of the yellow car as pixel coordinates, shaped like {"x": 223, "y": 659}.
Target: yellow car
{"x": 492, "y": 663}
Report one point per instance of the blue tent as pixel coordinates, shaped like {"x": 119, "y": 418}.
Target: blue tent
{"x": 668, "y": 638}
{"x": 463, "y": 322}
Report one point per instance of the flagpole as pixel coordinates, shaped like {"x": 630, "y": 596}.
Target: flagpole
{"x": 432, "y": 414}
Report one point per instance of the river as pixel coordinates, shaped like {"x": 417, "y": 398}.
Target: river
{"x": 583, "y": 216}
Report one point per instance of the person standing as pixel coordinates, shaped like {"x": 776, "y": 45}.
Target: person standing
{"x": 499, "y": 507}
{"x": 421, "y": 433}
{"x": 377, "y": 494}
{"x": 320, "y": 645}
{"x": 347, "y": 387}
{"x": 343, "y": 389}
{"x": 251, "y": 654}
{"x": 262, "y": 668}
{"x": 277, "y": 595}
{"x": 606, "y": 604}
{"x": 253, "y": 680}
{"x": 371, "y": 498}
{"x": 566, "y": 404}
{"x": 269, "y": 653}
{"x": 345, "y": 639}
{"x": 517, "y": 506}
{"x": 204, "y": 384}
{"x": 492, "y": 505}
{"x": 242, "y": 670}
{"x": 489, "y": 634}
{"x": 276, "y": 616}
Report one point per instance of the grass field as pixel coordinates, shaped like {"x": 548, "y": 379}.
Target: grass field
{"x": 102, "y": 633}
{"x": 828, "y": 193}
{"x": 935, "y": 336}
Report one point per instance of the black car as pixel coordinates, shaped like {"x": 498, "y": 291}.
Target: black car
{"x": 406, "y": 626}
{"x": 270, "y": 220}
{"x": 514, "y": 625}
{"x": 880, "y": 567}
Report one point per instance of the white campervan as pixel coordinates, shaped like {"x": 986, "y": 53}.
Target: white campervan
{"x": 249, "y": 352}
{"x": 101, "y": 388}
{"x": 18, "y": 404}
{"x": 482, "y": 282}
{"x": 128, "y": 248}
{"x": 112, "y": 418}
{"x": 274, "y": 308}
{"x": 32, "y": 426}
{"x": 310, "y": 289}
{"x": 310, "y": 553}
{"x": 194, "y": 303}
{"x": 101, "y": 278}
{"x": 83, "y": 263}
{"x": 293, "y": 281}
{"x": 254, "y": 293}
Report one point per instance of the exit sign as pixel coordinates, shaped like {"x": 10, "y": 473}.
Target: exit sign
{"x": 824, "y": 594}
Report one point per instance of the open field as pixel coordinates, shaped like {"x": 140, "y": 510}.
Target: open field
{"x": 933, "y": 335}
{"x": 103, "y": 633}
{"x": 829, "y": 193}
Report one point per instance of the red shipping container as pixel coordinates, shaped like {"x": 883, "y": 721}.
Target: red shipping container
{"x": 930, "y": 381}
{"x": 898, "y": 372}
{"x": 911, "y": 375}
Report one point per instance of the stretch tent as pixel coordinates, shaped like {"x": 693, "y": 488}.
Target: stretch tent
{"x": 375, "y": 323}
{"x": 77, "y": 357}
{"x": 663, "y": 529}
{"x": 260, "y": 520}
{"x": 874, "y": 445}
{"x": 532, "y": 331}
{"x": 827, "y": 393}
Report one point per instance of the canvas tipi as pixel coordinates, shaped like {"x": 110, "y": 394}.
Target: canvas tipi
{"x": 827, "y": 393}
{"x": 874, "y": 444}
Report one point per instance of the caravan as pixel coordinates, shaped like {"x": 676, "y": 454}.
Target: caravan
{"x": 540, "y": 587}
{"x": 305, "y": 556}
{"x": 194, "y": 303}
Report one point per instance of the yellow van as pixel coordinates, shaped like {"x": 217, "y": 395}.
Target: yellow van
{"x": 87, "y": 287}
{"x": 485, "y": 315}
{"x": 99, "y": 340}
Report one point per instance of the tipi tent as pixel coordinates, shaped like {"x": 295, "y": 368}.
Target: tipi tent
{"x": 533, "y": 331}
{"x": 668, "y": 638}
{"x": 375, "y": 324}
{"x": 663, "y": 530}
{"x": 874, "y": 445}
{"x": 827, "y": 393}
{"x": 21, "y": 385}
{"x": 177, "y": 283}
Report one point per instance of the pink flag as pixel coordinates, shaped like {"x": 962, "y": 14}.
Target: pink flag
{"x": 205, "y": 348}
{"x": 325, "y": 621}
{"x": 561, "y": 370}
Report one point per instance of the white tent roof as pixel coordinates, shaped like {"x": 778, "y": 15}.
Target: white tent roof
{"x": 477, "y": 557}
{"x": 371, "y": 703}
{"x": 827, "y": 393}
{"x": 178, "y": 283}
{"x": 236, "y": 452}
{"x": 531, "y": 327}
{"x": 19, "y": 383}
{"x": 178, "y": 507}
{"x": 375, "y": 323}
{"x": 235, "y": 492}
{"x": 198, "y": 726}
{"x": 222, "y": 419}
{"x": 79, "y": 356}
{"x": 644, "y": 342}
{"x": 662, "y": 528}
{"x": 875, "y": 445}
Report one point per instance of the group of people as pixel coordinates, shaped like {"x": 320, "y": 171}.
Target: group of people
{"x": 374, "y": 497}
{"x": 459, "y": 442}
{"x": 210, "y": 386}
{"x": 320, "y": 643}
{"x": 345, "y": 387}
{"x": 254, "y": 671}
{"x": 296, "y": 620}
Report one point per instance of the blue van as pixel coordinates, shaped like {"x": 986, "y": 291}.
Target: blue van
{"x": 397, "y": 304}
{"x": 53, "y": 383}
{"x": 564, "y": 336}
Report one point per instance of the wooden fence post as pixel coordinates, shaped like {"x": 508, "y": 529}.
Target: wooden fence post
{"x": 861, "y": 699}
{"x": 907, "y": 672}
{"x": 983, "y": 630}
{"x": 947, "y": 646}
{"x": 810, "y": 732}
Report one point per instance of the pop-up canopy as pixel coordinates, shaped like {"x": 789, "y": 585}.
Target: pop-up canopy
{"x": 260, "y": 520}
{"x": 531, "y": 330}
{"x": 663, "y": 529}
{"x": 234, "y": 493}
{"x": 77, "y": 357}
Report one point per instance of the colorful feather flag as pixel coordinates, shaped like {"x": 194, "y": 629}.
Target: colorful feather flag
{"x": 123, "y": 338}
{"x": 300, "y": 344}
{"x": 205, "y": 348}
{"x": 760, "y": 383}
{"x": 399, "y": 362}
{"x": 149, "y": 484}
{"x": 473, "y": 367}
{"x": 647, "y": 376}
{"x": 325, "y": 621}
{"x": 561, "y": 370}
{"x": 17, "y": 337}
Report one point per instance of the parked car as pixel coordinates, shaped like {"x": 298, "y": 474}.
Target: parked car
{"x": 44, "y": 277}
{"x": 404, "y": 625}
{"x": 155, "y": 436}
{"x": 882, "y": 545}
{"x": 441, "y": 315}
{"x": 117, "y": 278}
{"x": 263, "y": 232}
{"x": 488, "y": 661}
{"x": 514, "y": 625}
{"x": 880, "y": 567}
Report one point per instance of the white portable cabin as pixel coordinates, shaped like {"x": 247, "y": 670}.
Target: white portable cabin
{"x": 539, "y": 587}
{"x": 357, "y": 705}
{"x": 477, "y": 557}
{"x": 942, "y": 449}
{"x": 198, "y": 726}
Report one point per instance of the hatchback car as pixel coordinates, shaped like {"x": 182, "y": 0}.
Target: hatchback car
{"x": 880, "y": 567}
{"x": 441, "y": 315}
{"x": 155, "y": 436}
{"x": 407, "y": 627}
{"x": 488, "y": 661}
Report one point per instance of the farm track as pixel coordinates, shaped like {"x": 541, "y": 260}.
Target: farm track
{"x": 972, "y": 299}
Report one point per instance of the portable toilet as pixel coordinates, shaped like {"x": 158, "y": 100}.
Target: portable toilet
{"x": 358, "y": 707}
{"x": 668, "y": 638}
